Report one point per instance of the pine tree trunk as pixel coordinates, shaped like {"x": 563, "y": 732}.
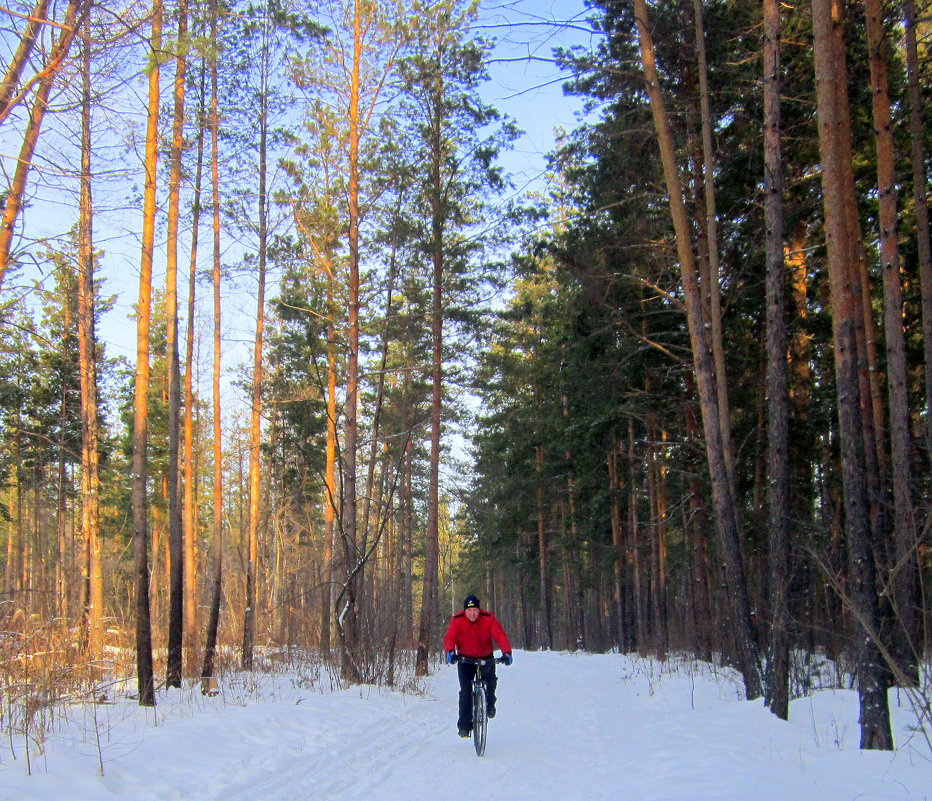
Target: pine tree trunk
{"x": 347, "y": 619}
{"x": 615, "y": 487}
{"x": 87, "y": 354}
{"x": 543, "y": 549}
{"x": 920, "y": 200}
{"x": 144, "y": 666}
{"x": 255, "y": 417}
{"x": 846, "y": 309}
{"x": 873, "y": 421}
{"x": 190, "y": 489}
{"x": 905, "y": 577}
{"x": 429, "y": 604}
{"x": 777, "y": 375}
{"x": 213, "y": 615}
{"x": 330, "y": 477}
{"x": 175, "y": 519}
{"x": 711, "y": 231}
{"x": 745, "y": 638}
{"x": 640, "y": 628}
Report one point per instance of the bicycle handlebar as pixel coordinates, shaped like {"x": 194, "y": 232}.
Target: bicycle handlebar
{"x": 470, "y": 661}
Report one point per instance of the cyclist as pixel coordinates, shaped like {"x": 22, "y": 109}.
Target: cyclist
{"x": 470, "y": 634}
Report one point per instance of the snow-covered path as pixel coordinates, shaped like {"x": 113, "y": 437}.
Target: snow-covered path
{"x": 568, "y": 727}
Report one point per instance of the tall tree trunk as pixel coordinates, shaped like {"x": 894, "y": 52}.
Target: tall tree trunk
{"x": 87, "y": 354}
{"x": 846, "y": 308}
{"x": 778, "y": 675}
{"x": 438, "y": 213}
{"x": 711, "y": 231}
{"x": 347, "y": 619}
{"x": 330, "y": 474}
{"x": 658, "y": 534}
{"x": 873, "y": 422}
{"x": 726, "y": 518}
{"x": 905, "y": 577}
{"x": 13, "y": 201}
{"x": 255, "y": 418}
{"x": 175, "y": 520}
{"x": 543, "y": 549}
{"x": 213, "y": 618}
{"x": 190, "y": 490}
{"x": 61, "y": 512}
{"x": 144, "y": 667}
{"x": 920, "y": 200}
{"x": 371, "y": 493}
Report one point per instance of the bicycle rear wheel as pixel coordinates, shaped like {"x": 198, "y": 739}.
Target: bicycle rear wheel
{"x": 479, "y": 718}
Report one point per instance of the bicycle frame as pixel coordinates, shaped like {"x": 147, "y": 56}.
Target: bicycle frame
{"x": 480, "y": 721}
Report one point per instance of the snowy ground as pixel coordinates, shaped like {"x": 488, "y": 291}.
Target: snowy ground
{"x": 568, "y": 727}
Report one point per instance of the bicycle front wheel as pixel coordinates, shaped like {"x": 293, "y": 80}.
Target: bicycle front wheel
{"x": 479, "y": 718}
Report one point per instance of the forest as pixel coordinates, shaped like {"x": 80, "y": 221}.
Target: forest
{"x": 676, "y": 400}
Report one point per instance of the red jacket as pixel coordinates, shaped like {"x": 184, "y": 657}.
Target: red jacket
{"x": 474, "y": 640}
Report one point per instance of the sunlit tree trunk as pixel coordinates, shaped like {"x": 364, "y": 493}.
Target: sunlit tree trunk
{"x": 330, "y": 474}
{"x": 347, "y": 620}
{"x": 213, "y": 615}
{"x": 175, "y": 519}
{"x": 255, "y": 418}
{"x": 190, "y": 489}
{"x": 144, "y": 667}
{"x": 87, "y": 350}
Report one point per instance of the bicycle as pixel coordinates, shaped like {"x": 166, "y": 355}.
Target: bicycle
{"x": 480, "y": 720}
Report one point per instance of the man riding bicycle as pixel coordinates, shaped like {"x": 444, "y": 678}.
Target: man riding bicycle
{"x": 470, "y": 635}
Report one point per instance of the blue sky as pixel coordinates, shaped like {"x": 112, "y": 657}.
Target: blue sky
{"x": 524, "y": 83}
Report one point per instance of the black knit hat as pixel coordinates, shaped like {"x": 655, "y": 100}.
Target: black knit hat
{"x": 471, "y": 602}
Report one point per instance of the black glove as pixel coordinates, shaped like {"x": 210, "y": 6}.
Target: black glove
{"x": 506, "y": 658}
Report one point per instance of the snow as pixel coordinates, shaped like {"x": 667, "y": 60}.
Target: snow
{"x": 569, "y": 726}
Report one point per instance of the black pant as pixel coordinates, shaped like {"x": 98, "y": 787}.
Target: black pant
{"x": 466, "y": 673}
